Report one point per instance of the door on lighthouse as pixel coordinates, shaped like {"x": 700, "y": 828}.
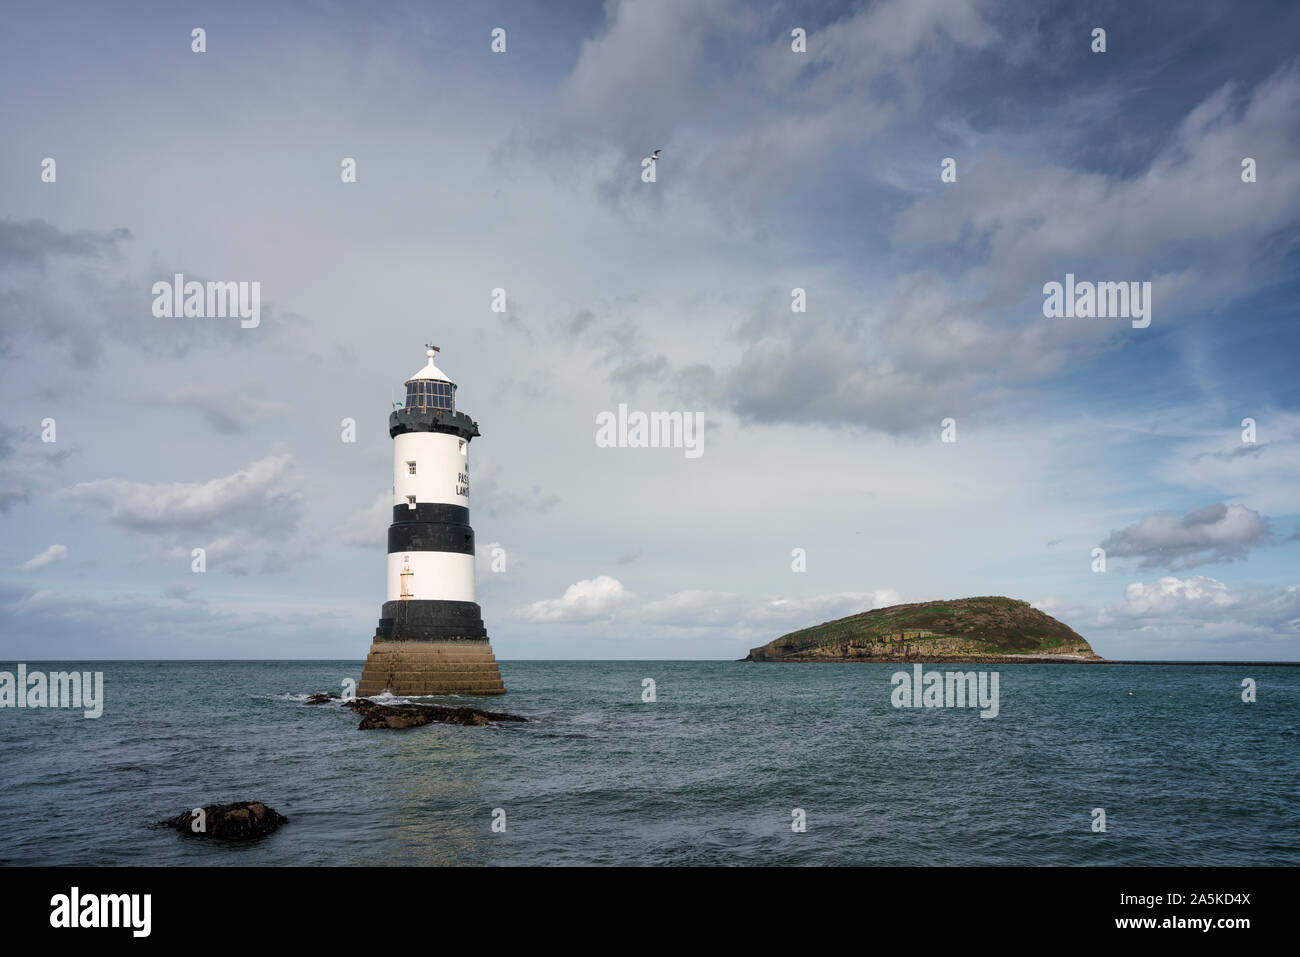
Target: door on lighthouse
{"x": 406, "y": 578}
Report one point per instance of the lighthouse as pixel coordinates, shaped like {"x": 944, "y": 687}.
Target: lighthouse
{"x": 431, "y": 639}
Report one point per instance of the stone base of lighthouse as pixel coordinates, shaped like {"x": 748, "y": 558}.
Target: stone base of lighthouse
{"x": 430, "y": 668}
{"x": 426, "y": 647}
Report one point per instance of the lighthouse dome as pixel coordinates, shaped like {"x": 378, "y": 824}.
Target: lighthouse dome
{"x": 430, "y": 388}
{"x": 430, "y": 371}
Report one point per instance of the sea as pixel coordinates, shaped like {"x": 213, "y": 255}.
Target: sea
{"x": 725, "y": 763}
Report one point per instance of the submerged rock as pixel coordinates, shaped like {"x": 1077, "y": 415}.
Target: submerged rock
{"x": 375, "y": 715}
{"x": 240, "y": 821}
{"x": 322, "y": 697}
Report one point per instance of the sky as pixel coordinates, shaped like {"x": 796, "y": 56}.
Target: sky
{"x": 824, "y": 487}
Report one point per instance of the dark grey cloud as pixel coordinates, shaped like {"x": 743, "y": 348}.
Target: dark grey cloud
{"x": 1215, "y": 533}
{"x": 27, "y": 464}
{"x": 55, "y": 286}
{"x": 619, "y": 345}
{"x": 226, "y": 409}
{"x": 79, "y": 290}
{"x": 1185, "y": 218}
{"x": 494, "y": 496}
{"x": 926, "y": 357}
{"x": 32, "y": 244}
{"x": 742, "y": 119}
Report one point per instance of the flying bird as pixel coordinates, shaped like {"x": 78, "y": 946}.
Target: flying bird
{"x": 654, "y": 156}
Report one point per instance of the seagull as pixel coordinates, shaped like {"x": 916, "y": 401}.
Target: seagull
{"x": 654, "y": 156}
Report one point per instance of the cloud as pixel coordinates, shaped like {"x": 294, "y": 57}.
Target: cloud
{"x": 26, "y": 464}
{"x": 176, "y": 592}
{"x": 1192, "y": 617}
{"x": 231, "y": 517}
{"x": 940, "y": 346}
{"x": 255, "y": 497}
{"x": 230, "y": 412}
{"x": 55, "y": 553}
{"x": 366, "y": 528}
{"x": 1187, "y": 206}
{"x": 495, "y": 499}
{"x": 40, "y": 623}
{"x": 35, "y": 242}
{"x": 79, "y": 289}
{"x": 1203, "y": 609}
{"x": 1177, "y": 598}
{"x": 1216, "y": 533}
{"x": 603, "y": 597}
{"x": 972, "y": 336}
{"x": 58, "y": 286}
{"x": 695, "y": 609}
{"x": 741, "y": 117}
{"x": 646, "y": 54}
{"x": 588, "y": 600}
{"x": 927, "y": 356}
{"x": 1221, "y": 463}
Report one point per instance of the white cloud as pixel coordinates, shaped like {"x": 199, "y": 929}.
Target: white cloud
{"x": 55, "y": 553}
{"x": 1191, "y": 618}
{"x": 1205, "y": 616}
{"x": 1174, "y": 597}
{"x": 602, "y": 597}
{"x": 708, "y": 609}
{"x": 588, "y": 600}
{"x": 256, "y": 497}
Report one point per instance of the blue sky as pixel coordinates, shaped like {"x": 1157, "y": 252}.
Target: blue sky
{"x": 521, "y": 170}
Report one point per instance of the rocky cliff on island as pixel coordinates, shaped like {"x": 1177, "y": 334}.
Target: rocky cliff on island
{"x": 990, "y": 629}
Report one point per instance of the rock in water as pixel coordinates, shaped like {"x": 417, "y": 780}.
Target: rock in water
{"x": 322, "y": 697}
{"x": 241, "y": 821}
{"x": 414, "y": 715}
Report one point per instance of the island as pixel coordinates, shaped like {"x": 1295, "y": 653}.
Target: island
{"x": 989, "y": 629}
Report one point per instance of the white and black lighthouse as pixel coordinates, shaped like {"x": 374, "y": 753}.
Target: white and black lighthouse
{"x": 431, "y": 639}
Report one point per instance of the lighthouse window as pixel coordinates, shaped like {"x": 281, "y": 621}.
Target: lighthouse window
{"x": 410, "y": 467}
{"x": 462, "y": 446}
{"x": 410, "y": 501}
{"x": 428, "y": 394}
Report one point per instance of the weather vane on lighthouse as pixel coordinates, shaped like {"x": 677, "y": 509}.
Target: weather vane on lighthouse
{"x": 431, "y": 638}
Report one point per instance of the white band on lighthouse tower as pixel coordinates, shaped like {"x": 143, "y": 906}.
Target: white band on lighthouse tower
{"x": 435, "y": 576}
{"x": 430, "y": 467}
